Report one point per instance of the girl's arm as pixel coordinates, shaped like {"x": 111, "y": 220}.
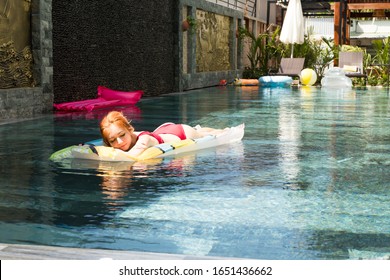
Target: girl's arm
{"x": 144, "y": 141}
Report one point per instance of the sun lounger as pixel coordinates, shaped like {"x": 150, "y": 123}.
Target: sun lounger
{"x": 352, "y": 64}
{"x": 290, "y": 67}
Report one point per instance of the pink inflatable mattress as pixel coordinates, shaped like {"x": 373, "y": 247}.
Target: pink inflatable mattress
{"x": 106, "y": 98}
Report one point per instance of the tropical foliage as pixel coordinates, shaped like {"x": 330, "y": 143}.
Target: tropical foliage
{"x": 379, "y": 71}
{"x": 265, "y": 52}
{"x": 262, "y": 49}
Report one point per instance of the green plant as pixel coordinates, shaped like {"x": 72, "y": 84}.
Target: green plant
{"x": 266, "y": 51}
{"x": 193, "y": 25}
{"x": 256, "y": 51}
{"x": 373, "y": 76}
{"x": 262, "y": 48}
{"x": 274, "y": 50}
{"x": 242, "y": 31}
{"x": 319, "y": 52}
{"x": 382, "y": 59}
{"x": 325, "y": 57}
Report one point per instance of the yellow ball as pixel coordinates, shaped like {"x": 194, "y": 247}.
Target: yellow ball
{"x": 308, "y": 77}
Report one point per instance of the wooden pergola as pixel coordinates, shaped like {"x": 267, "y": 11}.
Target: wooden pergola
{"x": 343, "y": 11}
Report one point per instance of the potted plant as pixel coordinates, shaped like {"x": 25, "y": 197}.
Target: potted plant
{"x": 189, "y": 24}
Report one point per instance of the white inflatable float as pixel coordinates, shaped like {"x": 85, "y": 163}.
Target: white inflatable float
{"x": 95, "y": 150}
{"x": 335, "y": 78}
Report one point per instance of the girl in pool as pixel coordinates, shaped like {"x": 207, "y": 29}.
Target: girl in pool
{"x": 117, "y": 132}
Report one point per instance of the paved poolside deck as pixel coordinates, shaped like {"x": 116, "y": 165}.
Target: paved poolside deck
{"x": 38, "y": 252}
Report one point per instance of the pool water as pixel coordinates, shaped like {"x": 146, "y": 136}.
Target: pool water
{"x": 310, "y": 180}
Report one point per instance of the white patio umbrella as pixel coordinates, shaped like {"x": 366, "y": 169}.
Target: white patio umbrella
{"x": 293, "y": 25}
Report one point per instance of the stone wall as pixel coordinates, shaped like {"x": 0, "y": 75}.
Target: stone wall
{"x": 120, "y": 44}
{"x": 28, "y": 102}
{"x": 128, "y": 45}
{"x": 20, "y": 103}
{"x": 212, "y": 42}
{"x": 191, "y": 72}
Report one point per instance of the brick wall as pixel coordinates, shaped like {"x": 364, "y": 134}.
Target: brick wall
{"x": 121, "y": 44}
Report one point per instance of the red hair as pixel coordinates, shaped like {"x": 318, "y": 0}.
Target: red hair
{"x": 114, "y": 117}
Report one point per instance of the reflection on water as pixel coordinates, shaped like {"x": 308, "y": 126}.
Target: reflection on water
{"x": 309, "y": 180}
{"x": 132, "y": 111}
{"x": 116, "y": 176}
{"x": 289, "y": 138}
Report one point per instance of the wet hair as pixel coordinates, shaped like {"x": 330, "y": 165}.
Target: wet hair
{"x": 114, "y": 117}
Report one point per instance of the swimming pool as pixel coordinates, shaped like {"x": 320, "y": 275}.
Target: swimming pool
{"x": 310, "y": 180}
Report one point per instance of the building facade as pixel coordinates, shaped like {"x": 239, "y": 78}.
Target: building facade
{"x": 126, "y": 45}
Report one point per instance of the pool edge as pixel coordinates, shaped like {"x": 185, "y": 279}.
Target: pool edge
{"x": 41, "y": 252}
